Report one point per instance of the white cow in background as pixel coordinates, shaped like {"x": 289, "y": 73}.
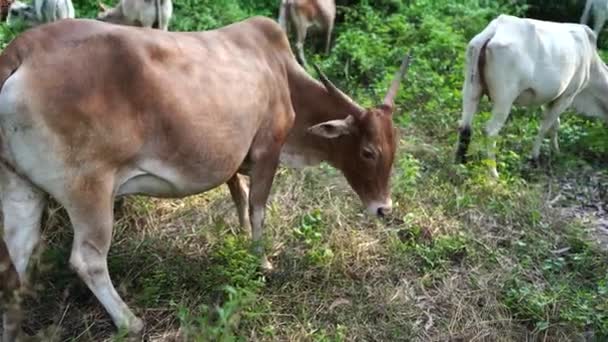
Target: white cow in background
{"x": 143, "y": 13}
{"x": 600, "y": 13}
{"x": 531, "y": 63}
{"x": 39, "y": 12}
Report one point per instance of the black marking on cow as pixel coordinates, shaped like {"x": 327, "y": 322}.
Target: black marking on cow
{"x": 464, "y": 139}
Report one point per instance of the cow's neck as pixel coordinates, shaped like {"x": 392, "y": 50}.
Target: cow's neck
{"x": 593, "y": 100}
{"x": 313, "y": 104}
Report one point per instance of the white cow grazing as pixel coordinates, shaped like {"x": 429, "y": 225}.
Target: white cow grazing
{"x": 600, "y": 13}
{"x": 532, "y": 63}
{"x": 39, "y": 12}
{"x": 144, "y": 13}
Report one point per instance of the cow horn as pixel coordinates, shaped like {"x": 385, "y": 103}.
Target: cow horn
{"x": 337, "y": 92}
{"x": 389, "y": 100}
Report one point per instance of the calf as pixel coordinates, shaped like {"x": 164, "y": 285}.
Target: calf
{"x": 167, "y": 114}
{"x": 531, "y": 63}
{"x": 600, "y": 13}
{"x": 144, "y": 13}
{"x": 306, "y": 13}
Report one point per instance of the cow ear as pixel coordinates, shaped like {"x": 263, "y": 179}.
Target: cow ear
{"x": 103, "y": 7}
{"x": 334, "y": 128}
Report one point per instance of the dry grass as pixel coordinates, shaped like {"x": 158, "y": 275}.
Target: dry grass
{"x": 377, "y": 285}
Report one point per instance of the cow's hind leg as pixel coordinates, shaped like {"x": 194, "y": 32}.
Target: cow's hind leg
{"x": 301, "y": 25}
{"x": 239, "y": 190}
{"x": 500, "y": 113}
{"x": 22, "y": 207}
{"x": 550, "y": 120}
{"x": 283, "y": 15}
{"x": 328, "y": 23}
{"x": 599, "y": 20}
{"x": 554, "y": 136}
{"x": 90, "y": 211}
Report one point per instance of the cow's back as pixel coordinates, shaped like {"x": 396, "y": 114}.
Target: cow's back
{"x": 123, "y": 94}
{"x": 543, "y": 59}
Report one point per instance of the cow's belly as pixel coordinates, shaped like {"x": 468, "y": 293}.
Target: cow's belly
{"x": 159, "y": 179}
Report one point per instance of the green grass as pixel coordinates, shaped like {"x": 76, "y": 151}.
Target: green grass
{"x": 465, "y": 257}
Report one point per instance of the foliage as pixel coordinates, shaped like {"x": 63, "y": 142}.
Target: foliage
{"x": 564, "y": 288}
{"x": 219, "y": 323}
{"x": 311, "y": 232}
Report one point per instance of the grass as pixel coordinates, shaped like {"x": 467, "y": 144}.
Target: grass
{"x": 464, "y": 257}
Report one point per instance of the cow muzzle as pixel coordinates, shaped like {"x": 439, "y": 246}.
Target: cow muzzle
{"x": 380, "y": 208}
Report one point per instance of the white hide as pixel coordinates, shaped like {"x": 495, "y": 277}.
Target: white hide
{"x": 41, "y": 11}
{"x": 144, "y": 12}
{"x": 532, "y": 63}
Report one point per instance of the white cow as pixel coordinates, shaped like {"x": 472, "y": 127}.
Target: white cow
{"x": 39, "y": 12}
{"x": 144, "y": 13}
{"x": 532, "y": 63}
{"x": 600, "y": 13}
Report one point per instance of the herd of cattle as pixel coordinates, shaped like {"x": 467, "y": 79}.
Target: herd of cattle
{"x": 172, "y": 114}
{"x": 157, "y": 14}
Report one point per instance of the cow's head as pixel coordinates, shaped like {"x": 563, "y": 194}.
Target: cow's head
{"x": 112, "y": 15}
{"x": 366, "y": 146}
{"x": 20, "y": 13}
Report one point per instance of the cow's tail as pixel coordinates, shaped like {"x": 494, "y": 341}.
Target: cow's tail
{"x": 586, "y": 11}
{"x": 474, "y": 87}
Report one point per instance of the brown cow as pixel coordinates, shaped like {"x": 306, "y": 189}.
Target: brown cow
{"x": 304, "y": 14}
{"x": 166, "y": 114}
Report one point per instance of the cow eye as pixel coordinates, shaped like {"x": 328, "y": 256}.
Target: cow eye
{"x": 368, "y": 153}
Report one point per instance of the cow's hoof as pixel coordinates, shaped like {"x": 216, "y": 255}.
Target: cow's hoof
{"x": 266, "y": 265}
{"x": 134, "y": 330}
{"x": 534, "y": 162}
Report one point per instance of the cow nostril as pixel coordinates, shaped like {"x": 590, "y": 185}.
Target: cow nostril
{"x": 384, "y": 211}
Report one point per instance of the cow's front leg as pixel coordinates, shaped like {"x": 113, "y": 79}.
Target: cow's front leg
{"x": 262, "y": 176}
